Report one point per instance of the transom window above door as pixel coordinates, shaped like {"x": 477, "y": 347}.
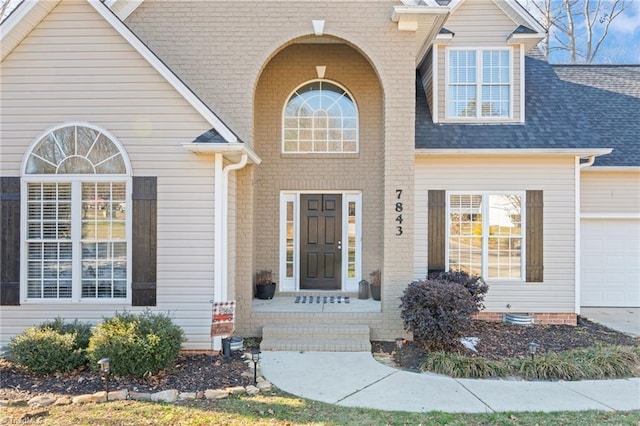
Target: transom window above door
{"x": 320, "y": 117}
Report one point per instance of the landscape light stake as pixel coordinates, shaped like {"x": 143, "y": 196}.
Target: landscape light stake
{"x": 104, "y": 368}
{"x": 255, "y": 357}
{"x": 532, "y": 351}
{"x": 399, "y": 344}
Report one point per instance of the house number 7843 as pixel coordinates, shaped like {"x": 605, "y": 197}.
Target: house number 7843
{"x": 399, "y": 208}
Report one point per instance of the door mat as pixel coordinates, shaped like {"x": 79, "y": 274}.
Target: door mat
{"x": 322, "y": 299}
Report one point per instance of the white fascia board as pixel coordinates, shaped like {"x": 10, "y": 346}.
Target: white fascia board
{"x": 12, "y": 32}
{"x": 443, "y": 39}
{"x": 123, "y": 8}
{"x": 168, "y": 75}
{"x": 574, "y": 152}
{"x": 226, "y": 149}
{"x": 601, "y": 169}
{"x": 399, "y": 11}
{"x": 519, "y": 38}
{"x": 16, "y": 17}
{"x": 533, "y": 23}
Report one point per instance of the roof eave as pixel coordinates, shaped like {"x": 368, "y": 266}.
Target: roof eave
{"x": 405, "y": 11}
{"x": 229, "y": 150}
{"x": 549, "y": 152}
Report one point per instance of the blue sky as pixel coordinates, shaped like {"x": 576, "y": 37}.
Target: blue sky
{"x": 624, "y": 42}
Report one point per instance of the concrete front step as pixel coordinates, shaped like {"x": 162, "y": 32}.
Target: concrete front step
{"x": 315, "y": 337}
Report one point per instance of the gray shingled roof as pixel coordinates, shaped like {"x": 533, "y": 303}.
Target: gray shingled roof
{"x": 210, "y": 136}
{"x": 609, "y": 97}
{"x": 567, "y": 106}
{"x": 550, "y": 120}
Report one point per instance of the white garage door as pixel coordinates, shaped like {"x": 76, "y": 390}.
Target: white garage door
{"x": 610, "y": 264}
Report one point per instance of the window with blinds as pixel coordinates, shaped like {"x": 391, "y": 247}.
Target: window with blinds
{"x": 76, "y": 220}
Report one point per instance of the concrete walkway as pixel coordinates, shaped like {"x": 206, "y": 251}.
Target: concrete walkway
{"x": 356, "y": 379}
{"x": 626, "y": 320}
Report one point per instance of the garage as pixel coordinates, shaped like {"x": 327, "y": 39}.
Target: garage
{"x": 610, "y": 262}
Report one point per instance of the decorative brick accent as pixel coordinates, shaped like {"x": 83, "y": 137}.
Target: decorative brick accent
{"x": 539, "y": 318}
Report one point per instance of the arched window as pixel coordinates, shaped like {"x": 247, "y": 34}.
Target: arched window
{"x": 76, "y": 217}
{"x": 320, "y": 117}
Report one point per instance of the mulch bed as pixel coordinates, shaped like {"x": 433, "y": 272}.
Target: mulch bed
{"x": 194, "y": 373}
{"x": 191, "y": 373}
{"x": 498, "y": 341}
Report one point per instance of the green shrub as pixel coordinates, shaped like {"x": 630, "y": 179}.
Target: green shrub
{"x": 82, "y": 330}
{"x": 473, "y": 283}
{"x": 45, "y": 350}
{"x": 438, "y": 310}
{"x": 455, "y": 365}
{"x": 600, "y": 362}
{"x": 137, "y": 344}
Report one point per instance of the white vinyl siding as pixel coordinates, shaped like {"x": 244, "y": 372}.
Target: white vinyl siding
{"x": 555, "y": 177}
{"x": 74, "y": 66}
{"x": 610, "y": 194}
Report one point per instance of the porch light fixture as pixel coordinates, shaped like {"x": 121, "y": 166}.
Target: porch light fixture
{"x": 255, "y": 357}
{"x": 105, "y": 369}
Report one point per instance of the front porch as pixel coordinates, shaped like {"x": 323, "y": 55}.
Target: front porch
{"x": 316, "y": 303}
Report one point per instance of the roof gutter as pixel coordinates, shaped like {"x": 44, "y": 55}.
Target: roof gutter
{"x": 551, "y": 152}
{"x": 589, "y": 162}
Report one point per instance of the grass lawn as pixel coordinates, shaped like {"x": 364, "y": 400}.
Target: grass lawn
{"x": 278, "y": 408}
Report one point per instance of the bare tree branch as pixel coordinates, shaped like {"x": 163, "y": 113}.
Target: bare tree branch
{"x": 577, "y": 27}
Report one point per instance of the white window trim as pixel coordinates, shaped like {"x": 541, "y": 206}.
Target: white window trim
{"x": 478, "y": 118}
{"x": 339, "y": 153}
{"x": 293, "y": 284}
{"x": 485, "y": 232}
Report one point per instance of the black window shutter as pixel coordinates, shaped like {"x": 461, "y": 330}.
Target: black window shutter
{"x": 144, "y": 199}
{"x": 10, "y": 241}
{"x": 535, "y": 237}
{"x": 437, "y": 230}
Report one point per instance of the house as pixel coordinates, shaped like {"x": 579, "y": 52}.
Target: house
{"x": 156, "y": 155}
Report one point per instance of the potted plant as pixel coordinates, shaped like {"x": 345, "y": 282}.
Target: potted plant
{"x": 374, "y": 286}
{"x": 265, "y": 287}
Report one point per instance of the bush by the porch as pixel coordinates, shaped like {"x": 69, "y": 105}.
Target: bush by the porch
{"x": 137, "y": 344}
{"x": 51, "y": 346}
{"x": 439, "y": 309}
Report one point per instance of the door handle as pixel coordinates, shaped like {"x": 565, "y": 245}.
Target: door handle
{"x": 339, "y": 245}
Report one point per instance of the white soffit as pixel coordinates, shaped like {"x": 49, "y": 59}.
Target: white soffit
{"x": 229, "y": 150}
{"x": 123, "y": 8}
{"x": 21, "y": 22}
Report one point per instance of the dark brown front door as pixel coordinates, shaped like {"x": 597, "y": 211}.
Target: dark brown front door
{"x": 320, "y": 243}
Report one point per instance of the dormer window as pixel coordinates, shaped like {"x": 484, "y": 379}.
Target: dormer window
{"x": 479, "y": 84}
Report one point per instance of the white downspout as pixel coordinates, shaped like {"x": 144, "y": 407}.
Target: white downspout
{"x": 221, "y": 205}
{"x": 578, "y": 277}
{"x": 218, "y": 231}
{"x": 225, "y": 227}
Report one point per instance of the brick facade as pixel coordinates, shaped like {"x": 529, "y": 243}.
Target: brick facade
{"x": 538, "y": 318}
